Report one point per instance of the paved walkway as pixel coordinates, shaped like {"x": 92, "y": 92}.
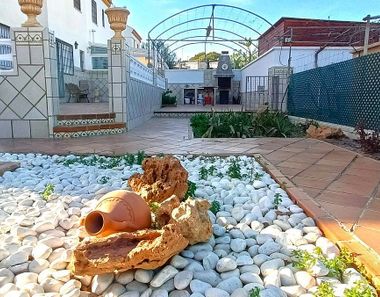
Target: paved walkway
{"x": 340, "y": 182}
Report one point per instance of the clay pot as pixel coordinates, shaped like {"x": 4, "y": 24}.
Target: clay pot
{"x": 32, "y": 8}
{"x": 118, "y": 211}
{"x": 117, "y": 17}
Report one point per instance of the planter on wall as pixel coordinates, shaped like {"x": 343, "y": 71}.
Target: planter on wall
{"x": 32, "y": 8}
{"x": 118, "y": 18}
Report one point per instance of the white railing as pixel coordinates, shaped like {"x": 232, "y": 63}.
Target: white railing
{"x": 140, "y": 71}
{"x": 6, "y": 57}
{"x": 161, "y": 82}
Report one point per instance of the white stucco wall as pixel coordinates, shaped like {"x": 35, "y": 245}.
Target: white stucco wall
{"x": 302, "y": 58}
{"x": 182, "y": 76}
{"x": 68, "y": 23}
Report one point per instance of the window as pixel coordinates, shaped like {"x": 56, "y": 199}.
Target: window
{"x": 99, "y": 63}
{"x": 94, "y": 12}
{"x": 5, "y": 49}
{"x": 98, "y": 50}
{"x": 103, "y": 18}
{"x": 77, "y": 4}
{"x": 65, "y": 57}
{"x": 81, "y": 57}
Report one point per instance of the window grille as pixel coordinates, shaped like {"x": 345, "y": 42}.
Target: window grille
{"x": 94, "y": 12}
{"x": 5, "y": 49}
{"x": 77, "y": 4}
{"x": 65, "y": 57}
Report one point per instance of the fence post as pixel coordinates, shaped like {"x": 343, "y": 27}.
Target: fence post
{"x": 117, "y": 78}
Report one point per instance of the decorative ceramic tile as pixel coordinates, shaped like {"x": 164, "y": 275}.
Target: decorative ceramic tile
{"x": 80, "y": 122}
{"x": 27, "y": 38}
{"x": 90, "y": 133}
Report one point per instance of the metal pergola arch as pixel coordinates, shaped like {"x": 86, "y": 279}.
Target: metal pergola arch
{"x": 157, "y": 36}
{"x": 199, "y": 36}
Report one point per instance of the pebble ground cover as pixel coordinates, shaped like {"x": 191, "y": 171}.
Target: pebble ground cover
{"x": 262, "y": 244}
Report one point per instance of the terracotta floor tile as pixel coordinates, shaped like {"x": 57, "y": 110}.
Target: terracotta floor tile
{"x": 289, "y": 172}
{"x": 369, "y": 237}
{"x": 374, "y": 205}
{"x": 311, "y": 191}
{"x": 311, "y": 172}
{"x": 367, "y": 178}
{"x": 301, "y": 159}
{"x": 360, "y": 188}
{"x": 366, "y": 163}
{"x": 344, "y": 199}
{"x": 315, "y": 183}
{"x": 338, "y": 163}
{"x": 346, "y": 215}
{"x": 294, "y": 165}
{"x": 370, "y": 219}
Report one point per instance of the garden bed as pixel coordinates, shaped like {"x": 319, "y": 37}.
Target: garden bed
{"x": 265, "y": 123}
{"x": 262, "y": 244}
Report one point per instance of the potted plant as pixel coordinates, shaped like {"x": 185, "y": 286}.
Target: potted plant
{"x": 118, "y": 18}
{"x": 32, "y": 8}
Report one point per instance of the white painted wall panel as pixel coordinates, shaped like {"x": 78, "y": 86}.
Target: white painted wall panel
{"x": 183, "y": 76}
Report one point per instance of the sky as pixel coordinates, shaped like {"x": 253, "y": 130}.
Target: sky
{"x": 145, "y": 14}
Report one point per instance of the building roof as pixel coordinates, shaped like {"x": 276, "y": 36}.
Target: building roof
{"x": 283, "y": 19}
{"x": 136, "y": 34}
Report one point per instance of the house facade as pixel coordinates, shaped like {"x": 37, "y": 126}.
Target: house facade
{"x": 81, "y": 29}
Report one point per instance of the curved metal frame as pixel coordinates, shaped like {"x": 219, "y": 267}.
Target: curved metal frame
{"x": 206, "y": 18}
{"x": 200, "y": 42}
{"x": 219, "y": 39}
{"x": 211, "y": 18}
{"x": 209, "y": 5}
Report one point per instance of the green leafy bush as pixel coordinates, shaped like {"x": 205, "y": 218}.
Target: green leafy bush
{"x": 168, "y": 98}
{"x": 244, "y": 125}
{"x": 200, "y": 124}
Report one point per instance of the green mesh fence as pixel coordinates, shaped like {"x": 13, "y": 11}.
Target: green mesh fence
{"x": 345, "y": 93}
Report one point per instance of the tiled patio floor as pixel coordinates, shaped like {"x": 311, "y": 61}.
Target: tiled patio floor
{"x": 341, "y": 182}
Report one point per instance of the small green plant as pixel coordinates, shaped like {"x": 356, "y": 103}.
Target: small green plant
{"x": 258, "y": 175}
{"x": 212, "y": 170}
{"x": 203, "y": 173}
{"x": 255, "y": 292}
{"x": 154, "y": 206}
{"x": 234, "y": 170}
{"x": 324, "y": 290}
{"x": 215, "y": 207}
{"x": 192, "y": 187}
{"x": 303, "y": 260}
{"x": 140, "y": 157}
{"x": 361, "y": 289}
{"x": 338, "y": 264}
{"x": 104, "y": 179}
{"x": 277, "y": 200}
{"x": 48, "y": 191}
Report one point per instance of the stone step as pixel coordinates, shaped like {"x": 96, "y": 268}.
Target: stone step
{"x": 85, "y": 119}
{"x": 89, "y": 130}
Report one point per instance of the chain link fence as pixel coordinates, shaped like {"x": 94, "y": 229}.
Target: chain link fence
{"x": 345, "y": 93}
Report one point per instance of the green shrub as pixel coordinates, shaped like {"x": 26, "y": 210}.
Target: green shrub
{"x": 200, "y": 124}
{"x": 244, "y": 125}
{"x": 48, "y": 191}
{"x": 168, "y": 98}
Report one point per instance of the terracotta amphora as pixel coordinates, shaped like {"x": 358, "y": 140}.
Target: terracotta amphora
{"x": 118, "y": 211}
